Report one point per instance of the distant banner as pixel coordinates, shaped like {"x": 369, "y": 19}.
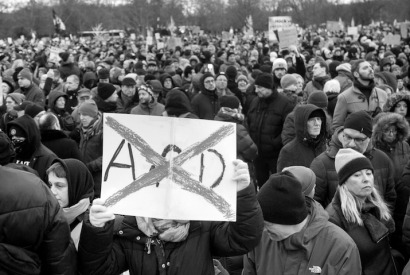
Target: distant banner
{"x": 278, "y": 23}
{"x": 333, "y": 26}
{"x": 392, "y": 39}
{"x": 288, "y": 37}
{"x": 352, "y": 31}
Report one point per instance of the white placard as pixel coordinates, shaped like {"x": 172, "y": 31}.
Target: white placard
{"x": 278, "y": 23}
{"x": 166, "y": 172}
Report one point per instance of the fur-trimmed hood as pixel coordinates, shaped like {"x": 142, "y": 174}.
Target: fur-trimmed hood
{"x": 394, "y": 99}
{"x": 382, "y": 121}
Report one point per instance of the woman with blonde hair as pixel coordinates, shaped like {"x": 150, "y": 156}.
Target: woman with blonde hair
{"x": 358, "y": 209}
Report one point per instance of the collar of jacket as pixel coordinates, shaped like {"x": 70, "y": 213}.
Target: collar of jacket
{"x": 272, "y": 97}
{"x": 25, "y": 90}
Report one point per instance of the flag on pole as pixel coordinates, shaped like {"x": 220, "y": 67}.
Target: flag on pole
{"x": 58, "y": 23}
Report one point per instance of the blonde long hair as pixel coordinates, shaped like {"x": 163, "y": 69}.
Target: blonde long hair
{"x": 352, "y": 206}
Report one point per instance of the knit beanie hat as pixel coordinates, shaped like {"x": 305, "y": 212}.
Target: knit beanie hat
{"x": 147, "y": 88}
{"x": 266, "y": 69}
{"x": 128, "y": 81}
{"x": 242, "y": 77}
{"x": 88, "y": 108}
{"x": 25, "y": 73}
{"x": 318, "y": 99}
{"x": 33, "y": 110}
{"x": 360, "y": 121}
{"x": 221, "y": 74}
{"x": 305, "y": 176}
{"x": 6, "y": 149}
{"x": 229, "y": 101}
{"x": 348, "y": 162}
{"x": 17, "y": 97}
{"x": 332, "y": 86}
{"x": 281, "y": 200}
{"x": 264, "y": 80}
{"x": 288, "y": 80}
{"x": 279, "y": 63}
{"x": 231, "y": 72}
{"x": 103, "y": 73}
{"x": 105, "y": 90}
{"x": 64, "y": 56}
{"x": 344, "y": 67}
{"x": 156, "y": 86}
{"x": 17, "y": 131}
{"x": 196, "y": 81}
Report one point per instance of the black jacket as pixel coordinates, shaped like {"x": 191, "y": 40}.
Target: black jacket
{"x": 34, "y": 235}
{"x": 265, "y": 120}
{"x": 60, "y": 144}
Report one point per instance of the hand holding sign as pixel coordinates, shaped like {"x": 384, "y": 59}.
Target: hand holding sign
{"x": 99, "y": 214}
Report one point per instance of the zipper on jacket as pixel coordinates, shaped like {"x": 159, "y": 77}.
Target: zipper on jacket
{"x": 382, "y": 237}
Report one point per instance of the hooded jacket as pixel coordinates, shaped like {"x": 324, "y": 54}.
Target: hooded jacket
{"x": 396, "y": 98}
{"x": 104, "y": 106}
{"x": 165, "y": 90}
{"x": 90, "y": 80}
{"x": 35, "y": 237}
{"x": 60, "y": 144}
{"x": 153, "y": 108}
{"x": 327, "y": 180}
{"x": 320, "y": 247}
{"x": 115, "y": 249}
{"x": 375, "y": 256}
{"x": 303, "y": 148}
{"x": 34, "y": 153}
{"x": 205, "y": 104}
{"x": 66, "y": 121}
{"x": 266, "y": 117}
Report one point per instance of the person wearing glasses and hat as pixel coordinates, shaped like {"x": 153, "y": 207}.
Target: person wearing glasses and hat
{"x": 356, "y": 134}
{"x": 148, "y": 105}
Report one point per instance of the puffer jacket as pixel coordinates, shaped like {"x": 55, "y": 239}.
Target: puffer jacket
{"x": 376, "y": 257}
{"x": 265, "y": 120}
{"x": 303, "y": 148}
{"x": 320, "y": 247}
{"x": 109, "y": 250}
{"x": 205, "y": 104}
{"x": 246, "y": 149}
{"x": 34, "y": 234}
{"x": 33, "y": 93}
{"x": 353, "y": 100}
{"x": 327, "y": 180}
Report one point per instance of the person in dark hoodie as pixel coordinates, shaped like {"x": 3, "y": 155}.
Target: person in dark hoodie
{"x": 55, "y": 139}
{"x": 206, "y": 104}
{"x": 72, "y": 86}
{"x": 30, "y": 90}
{"x": 106, "y": 98}
{"x": 167, "y": 83}
{"x": 310, "y": 140}
{"x": 68, "y": 67}
{"x": 56, "y": 103}
{"x": 178, "y": 105}
{"x": 90, "y": 80}
{"x": 231, "y": 73}
{"x": 26, "y": 139}
{"x": 73, "y": 186}
{"x": 230, "y": 111}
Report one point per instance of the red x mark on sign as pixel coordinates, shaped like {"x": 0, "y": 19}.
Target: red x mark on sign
{"x": 173, "y": 169}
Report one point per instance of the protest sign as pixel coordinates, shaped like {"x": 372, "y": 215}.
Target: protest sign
{"x": 352, "y": 31}
{"x": 404, "y": 29}
{"x": 54, "y": 57}
{"x": 288, "y": 37}
{"x": 225, "y": 36}
{"x": 9, "y": 40}
{"x": 171, "y": 43}
{"x": 391, "y": 39}
{"x": 133, "y": 36}
{"x": 278, "y": 23}
{"x": 160, "y": 45}
{"x": 150, "y": 40}
{"x": 333, "y": 26}
{"x": 166, "y": 172}
{"x": 157, "y": 36}
{"x": 178, "y": 42}
{"x": 196, "y": 30}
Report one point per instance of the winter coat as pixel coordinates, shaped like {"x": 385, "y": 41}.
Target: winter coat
{"x": 353, "y": 100}
{"x": 375, "y": 256}
{"x": 104, "y": 106}
{"x": 33, "y": 93}
{"x": 396, "y": 98}
{"x": 403, "y": 203}
{"x": 60, "y": 144}
{"x": 233, "y": 87}
{"x": 152, "y": 109}
{"x": 91, "y": 149}
{"x": 315, "y": 86}
{"x": 125, "y": 104}
{"x": 67, "y": 69}
{"x": 327, "y": 180}
{"x": 250, "y": 95}
{"x": 65, "y": 119}
{"x": 320, "y": 245}
{"x": 165, "y": 91}
{"x": 205, "y": 104}
{"x": 35, "y": 237}
{"x": 345, "y": 79}
{"x": 34, "y": 153}
{"x": 303, "y": 148}
{"x": 246, "y": 149}
{"x": 265, "y": 121}
{"x": 109, "y": 250}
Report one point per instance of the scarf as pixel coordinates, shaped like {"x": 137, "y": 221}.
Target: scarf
{"x": 319, "y": 82}
{"x": 165, "y": 230}
{"x": 228, "y": 112}
{"x": 70, "y": 213}
{"x": 366, "y": 90}
{"x": 93, "y": 129}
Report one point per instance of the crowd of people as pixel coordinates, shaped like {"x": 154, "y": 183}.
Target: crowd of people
{"x": 322, "y": 169}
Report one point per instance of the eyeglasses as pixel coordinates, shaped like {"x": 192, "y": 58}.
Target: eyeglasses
{"x": 358, "y": 141}
{"x": 390, "y": 131}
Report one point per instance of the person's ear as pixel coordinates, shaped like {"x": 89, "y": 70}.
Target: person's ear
{"x": 356, "y": 74}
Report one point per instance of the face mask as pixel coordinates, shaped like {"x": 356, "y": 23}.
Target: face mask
{"x": 18, "y": 145}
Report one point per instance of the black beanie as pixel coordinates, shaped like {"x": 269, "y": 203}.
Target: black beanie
{"x": 231, "y": 72}
{"x": 266, "y": 69}
{"x": 281, "y": 200}
{"x": 103, "y": 73}
{"x": 6, "y": 149}
{"x": 105, "y": 90}
{"x": 33, "y": 110}
{"x": 360, "y": 121}
{"x": 264, "y": 80}
{"x": 64, "y": 56}
{"x": 229, "y": 101}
